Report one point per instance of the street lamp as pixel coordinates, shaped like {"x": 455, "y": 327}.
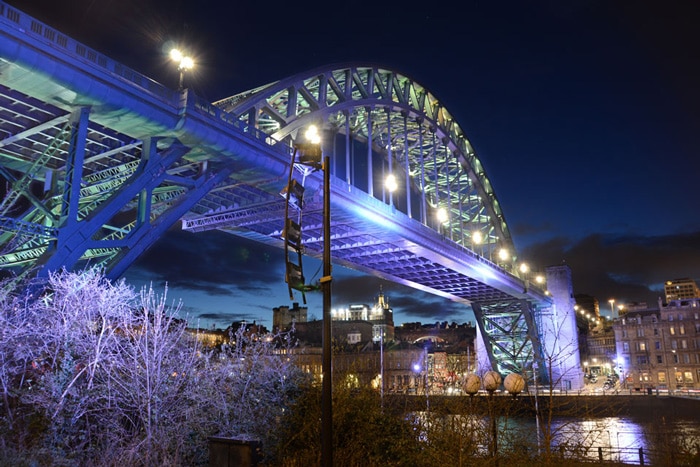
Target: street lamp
{"x": 442, "y": 216}
{"x": 310, "y": 154}
{"x": 612, "y": 307}
{"x": 503, "y": 255}
{"x": 327, "y": 394}
{"x": 184, "y": 63}
{"x": 390, "y": 183}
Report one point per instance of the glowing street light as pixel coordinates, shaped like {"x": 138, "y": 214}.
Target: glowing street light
{"x": 612, "y": 307}
{"x": 442, "y": 216}
{"x": 503, "y": 254}
{"x": 184, "y": 63}
{"x": 390, "y": 183}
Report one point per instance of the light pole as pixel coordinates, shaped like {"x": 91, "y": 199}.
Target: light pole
{"x": 327, "y": 395}
{"x": 311, "y": 155}
{"x": 184, "y": 63}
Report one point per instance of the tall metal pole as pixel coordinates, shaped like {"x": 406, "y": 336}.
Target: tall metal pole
{"x": 327, "y": 394}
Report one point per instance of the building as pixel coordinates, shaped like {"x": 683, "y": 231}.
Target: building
{"x": 283, "y": 316}
{"x": 659, "y": 348}
{"x": 380, "y": 315}
{"x": 601, "y": 353}
{"x": 681, "y": 289}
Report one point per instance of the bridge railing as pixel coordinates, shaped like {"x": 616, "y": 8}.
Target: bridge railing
{"x": 56, "y": 40}
{"x": 230, "y": 120}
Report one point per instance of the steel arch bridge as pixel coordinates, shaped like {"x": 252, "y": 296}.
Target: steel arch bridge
{"x": 101, "y": 161}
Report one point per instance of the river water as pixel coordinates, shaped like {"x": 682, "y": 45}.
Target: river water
{"x": 640, "y": 439}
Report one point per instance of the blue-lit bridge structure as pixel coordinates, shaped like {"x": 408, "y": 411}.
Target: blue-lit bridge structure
{"x": 100, "y": 161}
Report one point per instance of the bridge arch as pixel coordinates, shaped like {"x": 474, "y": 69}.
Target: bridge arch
{"x": 379, "y": 121}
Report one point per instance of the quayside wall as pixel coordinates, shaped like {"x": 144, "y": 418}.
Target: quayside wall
{"x": 576, "y": 406}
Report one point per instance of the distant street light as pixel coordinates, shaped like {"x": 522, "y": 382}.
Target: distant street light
{"x": 442, "y": 216}
{"x": 503, "y": 254}
{"x": 184, "y": 63}
{"x": 612, "y": 307}
{"x": 390, "y": 183}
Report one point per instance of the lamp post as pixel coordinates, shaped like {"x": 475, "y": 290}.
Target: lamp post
{"x": 327, "y": 394}
{"x": 184, "y": 63}
{"x": 310, "y": 154}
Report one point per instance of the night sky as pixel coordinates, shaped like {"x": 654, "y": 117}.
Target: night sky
{"x": 585, "y": 115}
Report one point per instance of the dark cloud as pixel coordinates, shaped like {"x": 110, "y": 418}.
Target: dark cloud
{"x": 226, "y": 317}
{"x": 408, "y": 304}
{"x": 627, "y": 268}
{"x": 213, "y": 262}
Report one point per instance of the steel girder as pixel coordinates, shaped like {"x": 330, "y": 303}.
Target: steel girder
{"x": 510, "y": 336}
{"x": 402, "y": 129}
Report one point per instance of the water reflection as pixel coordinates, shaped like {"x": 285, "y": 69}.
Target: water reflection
{"x": 632, "y": 440}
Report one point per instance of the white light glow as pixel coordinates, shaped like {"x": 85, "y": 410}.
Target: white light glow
{"x": 187, "y": 63}
{"x": 176, "y": 55}
{"x": 390, "y": 183}
{"x": 312, "y": 135}
{"x": 477, "y": 237}
{"x": 442, "y": 215}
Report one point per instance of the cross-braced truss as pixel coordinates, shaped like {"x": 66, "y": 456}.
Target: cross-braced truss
{"x": 382, "y": 122}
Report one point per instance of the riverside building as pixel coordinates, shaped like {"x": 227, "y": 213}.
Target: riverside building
{"x": 659, "y": 348}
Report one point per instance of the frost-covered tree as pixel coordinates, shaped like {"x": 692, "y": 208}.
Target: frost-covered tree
{"x": 95, "y": 373}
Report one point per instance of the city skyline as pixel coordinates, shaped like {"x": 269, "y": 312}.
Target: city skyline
{"x": 584, "y": 116}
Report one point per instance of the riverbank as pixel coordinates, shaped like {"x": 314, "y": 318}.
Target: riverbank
{"x": 609, "y": 405}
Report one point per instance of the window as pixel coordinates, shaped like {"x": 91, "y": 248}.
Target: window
{"x": 641, "y": 346}
{"x": 672, "y": 331}
{"x": 626, "y": 347}
{"x": 624, "y": 333}
{"x": 642, "y": 360}
{"x": 656, "y": 331}
{"x": 681, "y": 329}
{"x": 670, "y": 317}
{"x": 675, "y": 357}
{"x": 686, "y": 358}
{"x": 659, "y": 359}
{"x": 657, "y": 345}
{"x": 640, "y": 332}
{"x": 674, "y": 344}
{"x": 684, "y": 344}
{"x": 688, "y": 376}
{"x": 661, "y": 377}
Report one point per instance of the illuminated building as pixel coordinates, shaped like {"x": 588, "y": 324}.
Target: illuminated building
{"x": 680, "y": 289}
{"x": 283, "y": 316}
{"x": 660, "y": 348}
